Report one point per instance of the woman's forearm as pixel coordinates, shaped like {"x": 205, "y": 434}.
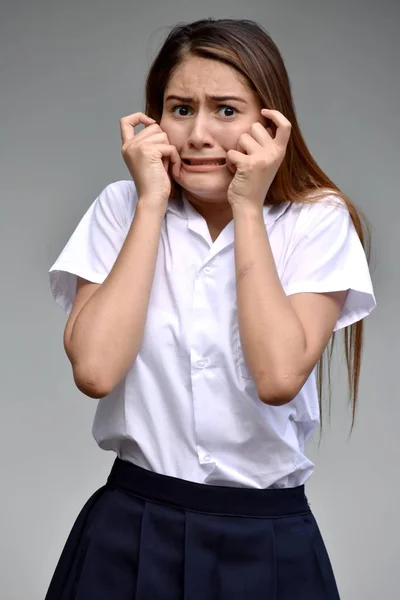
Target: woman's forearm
{"x": 272, "y": 336}
{"x": 108, "y": 331}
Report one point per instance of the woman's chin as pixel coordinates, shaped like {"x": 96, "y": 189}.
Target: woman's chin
{"x": 211, "y": 196}
{"x": 205, "y": 186}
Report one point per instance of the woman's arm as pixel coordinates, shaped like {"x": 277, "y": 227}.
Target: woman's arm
{"x": 105, "y": 328}
{"x": 282, "y": 337}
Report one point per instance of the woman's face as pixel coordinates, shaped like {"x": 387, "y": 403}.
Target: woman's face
{"x": 207, "y": 107}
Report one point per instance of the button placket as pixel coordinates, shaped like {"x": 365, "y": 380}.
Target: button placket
{"x": 203, "y": 322}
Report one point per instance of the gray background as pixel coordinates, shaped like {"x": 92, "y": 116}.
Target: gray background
{"x": 69, "y": 71}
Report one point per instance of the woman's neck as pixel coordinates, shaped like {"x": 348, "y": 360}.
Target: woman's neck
{"x": 216, "y": 214}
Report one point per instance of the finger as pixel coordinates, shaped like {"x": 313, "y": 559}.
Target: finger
{"x": 128, "y": 124}
{"x": 153, "y": 138}
{"x": 234, "y": 160}
{"x": 170, "y": 152}
{"x": 284, "y": 126}
{"x": 166, "y": 162}
{"x": 175, "y": 162}
{"x": 148, "y": 132}
{"x": 261, "y": 134}
{"x": 248, "y": 144}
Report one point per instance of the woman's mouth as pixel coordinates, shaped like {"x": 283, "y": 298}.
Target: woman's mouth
{"x": 203, "y": 164}
{"x": 204, "y": 161}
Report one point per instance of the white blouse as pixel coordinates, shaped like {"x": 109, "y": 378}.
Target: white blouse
{"x": 188, "y": 406}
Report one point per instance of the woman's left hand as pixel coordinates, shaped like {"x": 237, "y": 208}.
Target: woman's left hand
{"x": 257, "y": 160}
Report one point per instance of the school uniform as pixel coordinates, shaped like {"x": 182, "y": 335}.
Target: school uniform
{"x": 206, "y": 498}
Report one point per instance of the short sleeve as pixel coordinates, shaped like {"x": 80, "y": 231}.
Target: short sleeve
{"x": 327, "y": 256}
{"x": 92, "y": 249}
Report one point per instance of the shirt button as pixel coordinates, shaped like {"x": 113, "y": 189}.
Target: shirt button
{"x": 207, "y": 270}
{"x": 207, "y": 458}
{"x": 201, "y": 364}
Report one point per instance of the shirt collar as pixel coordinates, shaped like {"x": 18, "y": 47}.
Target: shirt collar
{"x": 180, "y": 206}
{"x": 177, "y": 206}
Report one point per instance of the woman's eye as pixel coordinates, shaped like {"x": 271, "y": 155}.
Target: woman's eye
{"x": 183, "y": 111}
{"x": 230, "y": 111}
{"x": 180, "y": 110}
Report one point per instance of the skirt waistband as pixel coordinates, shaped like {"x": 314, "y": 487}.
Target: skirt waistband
{"x": 203, "y": 498}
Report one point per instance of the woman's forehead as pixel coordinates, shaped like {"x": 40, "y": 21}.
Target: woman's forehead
{"x": 197, "y": 76}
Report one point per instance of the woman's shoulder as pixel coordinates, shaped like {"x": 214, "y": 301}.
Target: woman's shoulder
{"x": 121, "y": 191}
{"x": 317, "y": 207}
{"x": 319, "y": 202}
{"x": 119, "y": 200}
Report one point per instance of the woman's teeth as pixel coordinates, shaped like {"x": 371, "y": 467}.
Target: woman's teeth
{"x": 220, "y": 161}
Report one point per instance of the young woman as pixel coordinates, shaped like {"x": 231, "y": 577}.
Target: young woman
{"x": 201, "y": 296}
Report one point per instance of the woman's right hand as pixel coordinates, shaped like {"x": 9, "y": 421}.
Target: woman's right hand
{"x": 148, "y": 155}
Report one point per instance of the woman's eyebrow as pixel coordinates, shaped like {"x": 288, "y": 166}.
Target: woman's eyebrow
{"x": 213, "y": 98}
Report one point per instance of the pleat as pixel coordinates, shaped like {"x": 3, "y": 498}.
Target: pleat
{"x": 109, "y": 568}
{"x": 321, "y": 558}
{"x": 229, "y": 557}
{"x": 303, "y": 566}
{"x": 67, "y": 570}
{"x": 161, "y": 559}
{"x": 125, "y": 547}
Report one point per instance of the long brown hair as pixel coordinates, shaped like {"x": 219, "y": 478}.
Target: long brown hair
{"x": 246, "y": 47}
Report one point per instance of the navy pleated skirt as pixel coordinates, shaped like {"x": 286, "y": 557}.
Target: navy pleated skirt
{"x": 145, "y": 536}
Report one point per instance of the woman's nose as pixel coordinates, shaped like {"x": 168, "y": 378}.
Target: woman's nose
{"x": 200, "y": 134}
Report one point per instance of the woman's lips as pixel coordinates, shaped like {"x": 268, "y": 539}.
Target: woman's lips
{"x": 204, "y": 166}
